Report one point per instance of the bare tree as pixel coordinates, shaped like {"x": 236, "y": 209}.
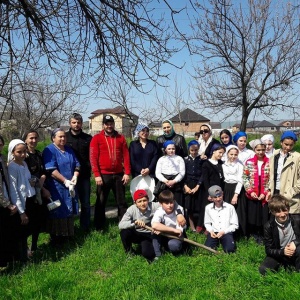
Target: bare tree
{"x": 250, "y": 58}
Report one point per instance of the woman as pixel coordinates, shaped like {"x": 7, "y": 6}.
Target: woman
{"x": 62, "y": 169}
{"x": 22, "y": 194}
{"x": 268, "y": 140}
{"x": 256, "y": 182}
{"x": 35, "y": 165}
{"x": 8, "y": 216}
{"x": 206, "y": 141}
{"x": 143, "y": 153}
{"x": 171, "y": 135}
{"x": 170, "y": 171}
{"x": 240, "y": 140}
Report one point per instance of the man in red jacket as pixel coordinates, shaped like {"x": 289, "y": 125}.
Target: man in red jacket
{"x": 109, "y": 157}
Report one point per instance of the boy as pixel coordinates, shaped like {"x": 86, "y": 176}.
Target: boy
{"x": 165, "y": 220}
{"x": 281, "y": 237}
{"x": 220, "y": 220}
{"x": 136, "y": 217}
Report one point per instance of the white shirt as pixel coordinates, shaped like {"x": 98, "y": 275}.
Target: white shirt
{"x": 221, "y": 219}
{"x": 170, "y": 165}
{"x": 233, "y": 173}
{"x": 245, "y": 154}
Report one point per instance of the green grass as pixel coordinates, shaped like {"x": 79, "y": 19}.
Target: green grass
{"x": 94, "y": 266}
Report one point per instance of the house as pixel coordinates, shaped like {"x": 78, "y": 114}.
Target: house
{"x": 257, "y": 126}
{"x": 187, "y": 122}
{"x": 289, "y": 125}
{"x": 125, "y": 121}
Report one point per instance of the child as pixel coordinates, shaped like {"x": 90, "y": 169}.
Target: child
{"x": 226, "y": 138}
{"x": 281, "y": 237}
{"x": 192, "y": 181}
{"x": 240, "y": 139}
{"x": 21, "y": 191}
{"x": 268, "y": 140}
{"x": 134, "y": 220}
{"x": 256, "y": 182}
{"x": 234, "y": 192}
{"x": 165, "y": 220}
{"x": 220, "y": 221}
{"x": 170, "y": 170}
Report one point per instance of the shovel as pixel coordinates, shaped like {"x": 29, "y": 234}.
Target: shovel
{"x": 53, "y": 204}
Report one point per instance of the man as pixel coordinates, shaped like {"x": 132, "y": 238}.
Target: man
{"x": 80, "y": 143}
{"x": 110, "y": 163}
{"x": 285, "y": 172}
{"x": 281, "y": 237}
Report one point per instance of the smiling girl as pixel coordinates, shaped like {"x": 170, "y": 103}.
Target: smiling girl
{"x": 240, "y": 139}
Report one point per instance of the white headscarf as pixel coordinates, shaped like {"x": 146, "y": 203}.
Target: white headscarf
{"x": 267, "y": 137}
{"x": 11, "y": 146}
{"x": 255, "y": 143}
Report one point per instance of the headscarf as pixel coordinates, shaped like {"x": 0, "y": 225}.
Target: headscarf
{"x": 54, "y": 132}
{"x": 172, "y": 128}
{"x": 227, "y": 132}
{"x": 207, "y": 125}
{"x": 204, "y": 144}
{"x": 167, "y": 143}
{"x": 239, "y": 135}
{"x": 192, "y": 142}
{"x": 215, "y": 147}
{"x": 11, "y": 146}
{"x": 267, "y": 137}
{"x": 255, "y": 143}
{"x": 139, "y": 128}
{"x": 232, "y": 147}
{"x": 289, "y": 134}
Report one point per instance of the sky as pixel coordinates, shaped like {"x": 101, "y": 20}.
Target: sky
{"x": 179, "y": 79}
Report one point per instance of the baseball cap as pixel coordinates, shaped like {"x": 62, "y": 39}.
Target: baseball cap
{"x": 138, "y": 194}
{"x": 215, "y": 191}
{"x": 108, "y": 118}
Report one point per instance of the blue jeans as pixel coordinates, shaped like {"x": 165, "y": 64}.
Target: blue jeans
{"x": 84, "y": 192}
{"x": 173, "y": 245}
{"x": 227, "y": 242}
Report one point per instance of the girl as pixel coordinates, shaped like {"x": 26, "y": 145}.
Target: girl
{"x": 256, "y": 181}
{"x": 22, "y": 192}
{"x": 170, "y": 170}
{"x": 233, "y": 188}
{"x": 226, "y": 137}
{"x": 192, "y": 181}
{"x": 212, "y": 174}
{"x": 268, "y": 140}
{"x": 240, "y": 139}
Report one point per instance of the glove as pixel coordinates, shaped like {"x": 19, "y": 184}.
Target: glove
{"x": 74, "y": 179}
{"x": 68, "y": 183}
{"x": 72, "y": 191}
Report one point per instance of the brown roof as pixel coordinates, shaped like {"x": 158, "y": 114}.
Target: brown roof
{"x": 188, "y": 115}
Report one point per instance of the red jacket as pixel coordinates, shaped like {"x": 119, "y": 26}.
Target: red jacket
{"x": 109, "y": 154}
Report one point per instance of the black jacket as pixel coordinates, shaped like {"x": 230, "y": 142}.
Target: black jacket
{"x": 179, "y": 141}
{"x": 271, "y": 236}
{"x": 80, "y": 143}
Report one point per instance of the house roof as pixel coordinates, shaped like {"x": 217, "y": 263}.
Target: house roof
{"x": 294, "y": 123}
{"x": 188, "y": 115}
{"x": 215, "y": 125}
{"x": 119, "y": 110}
{"x": 255, "y": 124}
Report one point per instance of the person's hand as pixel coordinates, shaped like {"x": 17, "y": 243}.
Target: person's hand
{"x": 13, "y": 209}
{"x": 181, "y": 220}
{"x": 253, "y": 195}
{"x": 234, "y": 199}
{"x": 45, "y": 193}
{"x": 178, "y": 232}
{"x": 145, "y": 172}
{"x": 24, "y": 219}
{"x": 268, "y": 196}
{"x": 220, "y": 234}
{"x": 290, "y": 249}
{"x": 171, "y": 183}
{"x": 261, "y": 197}
{"x": 68, "y": 183}
{"x": 98, "y": 180}
{"x": 195, "y": 189}
{"x": 74, "y": 179}
{"x": 125, "y": 179}
{"x": 213, "y": 235}
{"x": 140, "y": 223}
{"x": 187, "y": 190}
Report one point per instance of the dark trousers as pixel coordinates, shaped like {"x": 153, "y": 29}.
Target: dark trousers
{"x": 110, "y": 182}
{"x": 84, "y": 193}
{"x": 273, "y": 264}
{"x": 227, "y": 242}
{"x": 131, "y": 236}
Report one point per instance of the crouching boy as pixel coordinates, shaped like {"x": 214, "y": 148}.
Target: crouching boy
{"x": 281, "y": 237}
{"x": 220, "y": 220}
{"x": 166, "y": 220}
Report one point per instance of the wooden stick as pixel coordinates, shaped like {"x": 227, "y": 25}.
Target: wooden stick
{"x": 185, "y": 240}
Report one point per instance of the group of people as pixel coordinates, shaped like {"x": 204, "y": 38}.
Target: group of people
{"x": 216, "y": 187}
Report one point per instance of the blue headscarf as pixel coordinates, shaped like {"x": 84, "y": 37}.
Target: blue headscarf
{"x": 139, "y": 128}
{"x": 289, "y": 135}
{"x": 172, "y": 128}
{"x": 167, "y": 143}
{"x": 239, "y": 135}
{"x": 192, "y": 142}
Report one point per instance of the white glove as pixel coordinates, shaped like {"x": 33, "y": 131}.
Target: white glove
{"x": 68, "y": 183}
{"x": 74, "y": 179}
{"x": 72, "y": 191}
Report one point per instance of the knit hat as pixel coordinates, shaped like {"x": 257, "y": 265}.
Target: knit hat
{"x": 239, "y": 135}
{"x": 138, "y": 194}
{"x": 289, "y": 135}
